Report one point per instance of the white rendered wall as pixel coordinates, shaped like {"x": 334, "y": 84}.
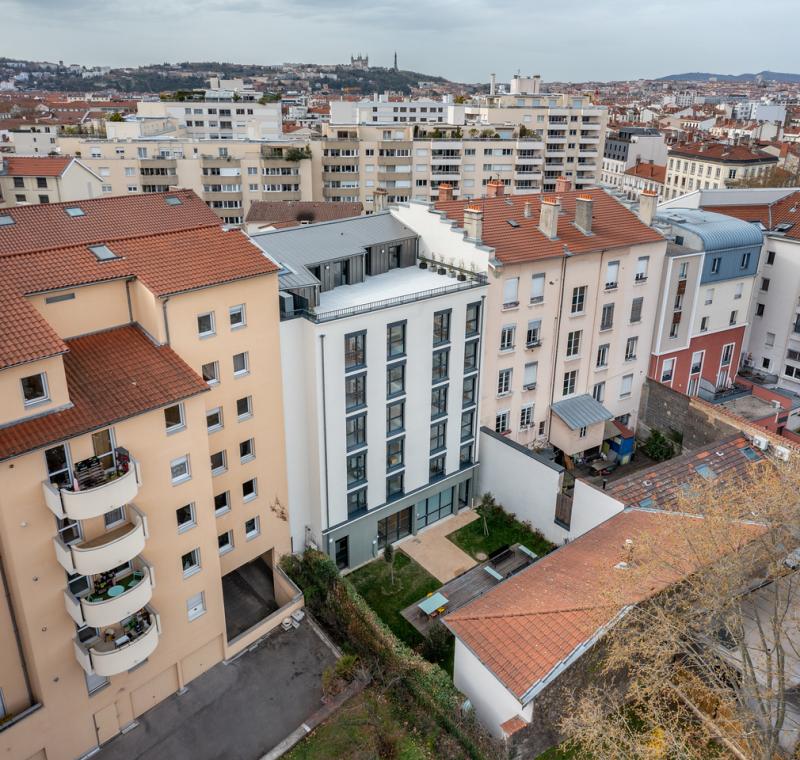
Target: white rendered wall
{"x": 590, "y": 507}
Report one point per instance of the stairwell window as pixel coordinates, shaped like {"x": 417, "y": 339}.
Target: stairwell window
{"x": 744, "y": 262}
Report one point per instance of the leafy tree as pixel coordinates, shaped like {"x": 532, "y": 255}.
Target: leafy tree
{"x": 388, "y": 557}
{"x": 658, "y": 447}
{"x": 116, "y": 116}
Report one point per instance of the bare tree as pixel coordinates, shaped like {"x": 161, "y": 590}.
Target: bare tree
{"x": 713, "y": 659}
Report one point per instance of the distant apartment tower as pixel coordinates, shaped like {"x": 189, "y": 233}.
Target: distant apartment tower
{"x": 706, "y": 288}
{"x": 626, "y": 148}
{"x": 381, "y": 355}
{"x": 142, "y": 454}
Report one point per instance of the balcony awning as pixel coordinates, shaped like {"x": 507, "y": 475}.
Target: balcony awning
{"x": 581, "y": 411}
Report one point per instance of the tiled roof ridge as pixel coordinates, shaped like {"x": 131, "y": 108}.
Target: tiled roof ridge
{"x": 466, "y": 618}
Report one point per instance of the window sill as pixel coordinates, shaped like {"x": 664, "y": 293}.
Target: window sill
{"x": 214, "y": 428}
{"x": 560, "y": 524}
{"x": 502, "y": 351}
{"x": 509, "y": 306}
{"x": 536, "y": 303}
{"x": 36, "y": 402}
{"x": 625, "y": 395}
{"x": 241, "y": 373}
{"x": 503, "y": 395}
{"x": 630, "y": 359}
{"x": 197, "y": 616}
{"x": 251, "y": 536}
{"x": 212, "y": 383}
{"x": 221, "y": 512}
{"x": 218, "y": 471}
{"x": 243, "y": 417}
{"x": 225, "y": 550}
{"x": 245, "y": 499}
{"x": 203, "y": 336}
{"x": 246, "y": 459}
{"x": 176, "y": 429}
{"x": 238, "y": 327}
{"x": 187, "y": 527}
{"x": 191, "y": 571}
{"x": 184, "y": 479}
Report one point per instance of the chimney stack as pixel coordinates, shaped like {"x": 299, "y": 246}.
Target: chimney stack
{"x": 494, "y": 188}
{"x": 563, "y": 184}
{"x": 548, "y": 217}
{"x": 445, "y": 192}
{"x": 527, "y": 212}
{"x": 379, "y": 199}
{"x": 583, "y": 214}
{"x": 473, "y": 223}
{"x": 647, "y": 206}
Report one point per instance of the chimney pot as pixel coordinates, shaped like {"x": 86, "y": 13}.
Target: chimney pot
{"x": 473, "y": 223}
{"x": 494, "y": 188}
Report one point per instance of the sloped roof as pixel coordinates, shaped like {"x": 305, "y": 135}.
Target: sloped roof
{"x": 29, "y": 166}
{"x": 112, "y": 375}
{"x": 613, "y": 225}
{"x": 717, "y": 231}
{"x": 292, "y": 213}
{"x": 656, "y": 172}
{"x": 660, "y": 485}
{"x": 526, "y": 627}
{"x": 771, "y": 213}
{"x": 720, "y": 152}
{"x": 581, "y": 411}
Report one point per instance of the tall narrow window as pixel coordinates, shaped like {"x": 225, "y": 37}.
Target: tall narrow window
{"x": 511, "y": 292}
{"x": 355, "y": 350}
{"x": 578, "y": 300}
{"x": 396, "y": 340}
{"x": 531, "y": 373}
{"x": 537, "y": 288}
{"x": 570, "y": 381}
{"x": 441, "y": 327}
{"x": 636, "y": 310}
{"x": 607, "y": 316}
{"x": 612, "y": 275}
{"x": 642, "y": 265}
{"x": 504, "y": 382}
{"x": 574, "y": 343}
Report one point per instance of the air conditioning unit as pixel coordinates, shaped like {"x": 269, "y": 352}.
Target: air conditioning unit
{"x": 782, "y": 453}
{"x": 760, "y": 442}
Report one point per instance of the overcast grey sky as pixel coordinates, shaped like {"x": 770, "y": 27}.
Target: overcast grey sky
{"x": 463, "y": 40}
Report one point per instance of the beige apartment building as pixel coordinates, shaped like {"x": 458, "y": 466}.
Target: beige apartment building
{"x": 569, "y": 317}
{"x": 704, "y": 166}
{"x": 49, "y": 179}
{"x": 142, "y": 465}
{"x": 227, "y": 174}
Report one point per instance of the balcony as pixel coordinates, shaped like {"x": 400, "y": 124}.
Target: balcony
{"x": 106, "y": 551}
{"x": 112, "y": 598}
{"x": 111, "y": 491}
{"x": 122, "y": 646}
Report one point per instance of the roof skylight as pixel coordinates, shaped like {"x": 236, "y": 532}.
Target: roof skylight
{"x": 103, "y": 252}
{"x": 705, "y": 471}
{"x": 75, "y": 211}
{"x": 173, "y": 200}
{"x": 513, "y": 222}
{"x": 6, "y": 220}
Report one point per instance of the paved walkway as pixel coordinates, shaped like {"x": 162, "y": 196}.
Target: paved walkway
{"x": 436, "y": 553}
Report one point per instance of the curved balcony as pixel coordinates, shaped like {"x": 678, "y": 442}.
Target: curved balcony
{"x": 119, "y": 599}
{"x": 93, "y": 502}
{"x": 106, "y": 551}
{"x": 122, "y": 646}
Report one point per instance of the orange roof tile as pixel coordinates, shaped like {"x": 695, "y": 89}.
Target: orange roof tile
{"x": 526, "y": 626}
{"x": 291, "y": 213}
{"x": 656, "y": 172}
{"x": 721, "y": 152}
{"x": 784, "y": 211}
{"x": 613, "y": 225}
{"x": 112, "y": 375}
{"x": 44, "y": 166}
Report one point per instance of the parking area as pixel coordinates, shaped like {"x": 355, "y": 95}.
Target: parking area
{"x": 236, "y": 711}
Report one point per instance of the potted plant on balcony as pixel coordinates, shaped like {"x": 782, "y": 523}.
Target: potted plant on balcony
{"x": 451, "y": 269}
{"x": 461, "y": 276}
{"x": 422, "y": 263}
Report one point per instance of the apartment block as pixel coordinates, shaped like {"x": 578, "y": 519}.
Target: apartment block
{"x": 703, "y": 166}
{"x": 228, "y": 176}
{"x": 381, "y": 359}
{"x": 142, "y": 449}
{"x": 50, "y": 179}
{"x": 629, "y": 147}
{"x": 573, "y": 293}
{"x": 706, "y": 289}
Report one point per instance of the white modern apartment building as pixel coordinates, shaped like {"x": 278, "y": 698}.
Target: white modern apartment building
{"x": 628, "y": 147}
{"x": 772, "y": 341}
{"x": 382, "y": 110}
{"x": 381, "y": 357}
{"x": 570, "y": 312}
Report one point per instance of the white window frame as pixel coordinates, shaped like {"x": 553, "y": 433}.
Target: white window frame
{"x": 215, "y": 365}
{"x": 249, "y": 413}
{"x": 188, "y": 572}
{"x": 671, "y": 364}
{"x": 526, "y": 417}
{"x": 537, "y": 297}
{"x": 252, "y": 455}
{"x": 192, "y": 523}
{"x": 229, "y": 546}
{"x": 253, "y": 495}
{"x": 504, "y": 377}
{"x": 238, "y": 309}
{"x": 182, "y": 478}
{"x": 510, "y": 331}
{"x": 219, "y": 511}
{"x": 44, "y": 398}
{"x": 246, "y": 370}
{"x": 213, "y": 329}
{"x": 217, "y": 410}
{"x": 178, "y": 426}
{"x": 196, "y": 606}
{"x": 118, "y": 521}
{"x": 249, "y": 535}
{"x": 221, "y": 468}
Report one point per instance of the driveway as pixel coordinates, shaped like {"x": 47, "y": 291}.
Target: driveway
{"x": 235, "y": 711}
{"x": 438, "y": 554}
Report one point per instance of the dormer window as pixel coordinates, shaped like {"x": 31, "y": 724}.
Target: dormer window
{"x": 34, "y": 389}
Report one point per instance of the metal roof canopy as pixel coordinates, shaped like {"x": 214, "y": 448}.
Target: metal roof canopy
{"x": 581, "y": 411}
{"x": 717, "y": 231}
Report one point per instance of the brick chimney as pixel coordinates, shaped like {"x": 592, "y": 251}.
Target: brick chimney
{"x": 527, "y": 210}
{"x": 583, "y": 214}
{"x": 473, "y": 223}
{"x": 379, "y": 199}
{"x": 563, "y": 184}
{"x": 548, "y": 216}
{"x": 494, "y": 188}
{"x": 445, "y": 192}
{"x": 647, "y": 206}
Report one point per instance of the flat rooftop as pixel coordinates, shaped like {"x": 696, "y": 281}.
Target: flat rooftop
{"x": 750, "y": 407}
{"x": 396, "y": 283}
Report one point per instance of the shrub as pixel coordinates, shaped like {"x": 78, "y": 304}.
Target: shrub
{"x": 436, "y": 646}
{"x": 658, "y": 447}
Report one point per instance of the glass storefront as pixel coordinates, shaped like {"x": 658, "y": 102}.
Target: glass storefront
{"x": 434, "y": 508}
{"x": 394, "y": 527}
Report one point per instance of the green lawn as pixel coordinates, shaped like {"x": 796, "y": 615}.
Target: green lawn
{"x": 411, "y": 583}
{"x": 366, "y": 727}
{"x": 504, "y": 530}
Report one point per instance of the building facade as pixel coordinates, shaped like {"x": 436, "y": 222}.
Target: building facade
{"x": 50, "y": 179}
{"x": 706, "y": 288}
{"x": 143, "y": 460}
{"x": 381, "y": 360}
{"x": 628, "y": 147}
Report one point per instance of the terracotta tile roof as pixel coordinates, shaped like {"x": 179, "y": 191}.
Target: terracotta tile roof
{"x": 291, "y": 213}
{"x": 660, "y": 486}
{"x": 613, "y": 225}
{"x": 656, "y": 172}
{"x": 112, "y": 375}
{"x": 512, "y": 725}
{"x": 171, "y": 261}
{"x": 38, "y": 227}
{"x": 784, "y": 211}
{"x": 721, "y": 152}
{"x": 46, "y": 166}
{"x": 526, "y": 626}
